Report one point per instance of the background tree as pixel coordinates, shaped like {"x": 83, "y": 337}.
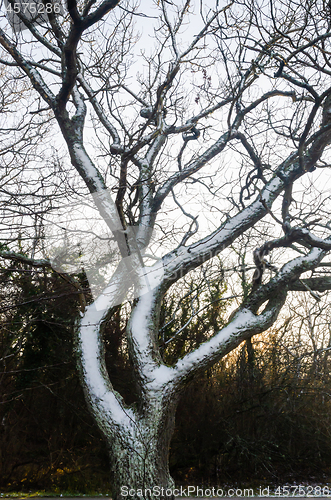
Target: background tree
{"x": 235, "y": 117}
{"x": 255, "y": 417}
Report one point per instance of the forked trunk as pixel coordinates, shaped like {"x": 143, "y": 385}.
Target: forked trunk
{"x": 138, "y": 437}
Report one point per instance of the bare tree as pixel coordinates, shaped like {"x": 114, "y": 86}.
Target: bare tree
{"x": 212, "y": 130}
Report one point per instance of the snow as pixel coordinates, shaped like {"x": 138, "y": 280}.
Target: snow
{"x": 87, "y": 165}
{"x": 80, "y": 105}
{"x": 141, "y": 320}
{"x": 113, "y": 294}
{"x": 155, "y": 148}
{"x": 147, "y": 281}
{"x": 95, "y": 375}
{"x": 156, "y": 376}
{"x": 103, "y": 198}
{"x": 241, "y": 218}
{"x": 316, "y": 239}
{"x": 37, "y": 77}
{"x": 271, "y": 188}
{"x": 243, "y": 320}
{"x": 162, "y": 375}
{"x": 222, "y": 237}
{"x": 96, "y": 381}
{"x": 314, "y": 255}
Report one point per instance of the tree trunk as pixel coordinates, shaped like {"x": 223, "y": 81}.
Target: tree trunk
{"x": 140, "y": 464}
{"x": 139, "y": 436}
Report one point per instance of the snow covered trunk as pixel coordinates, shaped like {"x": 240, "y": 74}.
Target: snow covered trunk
{"x": 139, "y": 436}
{"x": 139, "y": 454}
{"x": 140, "y": 463}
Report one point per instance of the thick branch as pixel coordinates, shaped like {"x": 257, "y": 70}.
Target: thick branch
{"x": 100, "y": 113}
{"x": 246, "y": 322}
{"x": 25, "y": 260}
{"x": 106, "y": 404}
{"x": 35, "y": 77}
{"x": 319, "y": 284}
{"x": 70, "y": 68}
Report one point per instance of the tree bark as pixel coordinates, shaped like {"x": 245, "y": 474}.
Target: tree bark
{"x": 139, "y": 467}
{"x": 139, "y": 454}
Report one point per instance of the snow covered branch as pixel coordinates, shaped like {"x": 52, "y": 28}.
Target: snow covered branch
{"x": 247, "y": 321}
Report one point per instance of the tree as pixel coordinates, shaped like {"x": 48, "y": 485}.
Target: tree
{"x": 247, "y": 86}
{"x": 254, "y": 414}
{"x": 47, "y": 436}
